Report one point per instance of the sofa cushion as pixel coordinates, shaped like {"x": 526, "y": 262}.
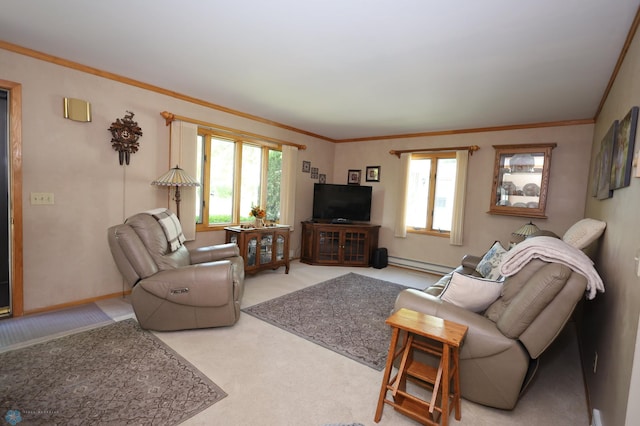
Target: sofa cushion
{"x": 489, "y": 265}
{"x": 584, "y": 232}
{"x": 536, "y": 294}
{"x": 472, "y": 293}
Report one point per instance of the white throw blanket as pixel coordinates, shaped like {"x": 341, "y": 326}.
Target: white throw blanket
{"x": 170, "y": 225}
{"x": 550, "y": 249}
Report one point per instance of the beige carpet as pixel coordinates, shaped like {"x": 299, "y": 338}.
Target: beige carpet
{"x": 273, "y": 377}
{"x": 276, "y": 378}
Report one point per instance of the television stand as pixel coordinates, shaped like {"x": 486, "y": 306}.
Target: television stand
{"x": 340, "y": 244}
{"x": 340, "y": 220}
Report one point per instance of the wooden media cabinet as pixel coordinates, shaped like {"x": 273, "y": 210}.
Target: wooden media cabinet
{"x": 348, "y": 244}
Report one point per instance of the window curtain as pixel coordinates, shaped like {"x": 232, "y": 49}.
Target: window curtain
{"x": 462, "y": 161}
{"x": 401, "y": 221}
{"x": 288, "y": 185}
{"x": 183, "y": 153}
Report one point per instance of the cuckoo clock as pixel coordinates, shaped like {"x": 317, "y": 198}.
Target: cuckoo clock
{"x": 124, "y": 137}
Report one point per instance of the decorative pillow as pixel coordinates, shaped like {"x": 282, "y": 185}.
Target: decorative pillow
{"x": 472, "y": 293}
{"x": 489, "y": 266}
{"x": 584, "y": 232}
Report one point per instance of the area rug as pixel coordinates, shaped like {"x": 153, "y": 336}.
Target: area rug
{"x": 116, "y": 374}
{"x": 345, "y": 314}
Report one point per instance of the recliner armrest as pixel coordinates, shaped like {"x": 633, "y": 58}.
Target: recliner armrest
{"x": 213, "y": 253}
{"x": 208, "y": 284}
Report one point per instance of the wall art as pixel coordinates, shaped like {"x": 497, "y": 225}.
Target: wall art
{"x": 622, "y": 159}
{"x": 606, "y": 153}
{"x": 353, "y": 178}
{"x": 373, "y": 174}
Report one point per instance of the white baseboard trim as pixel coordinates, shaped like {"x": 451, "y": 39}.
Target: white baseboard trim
{"x": 419, "y": 265}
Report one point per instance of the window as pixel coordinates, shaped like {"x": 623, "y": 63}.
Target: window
{"x": 235, "y": 174}
{"x": 431, "y": 192}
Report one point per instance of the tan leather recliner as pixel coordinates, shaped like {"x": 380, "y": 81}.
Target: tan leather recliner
{"x": 181, "y": 289}
{"x": 499, "y": 353}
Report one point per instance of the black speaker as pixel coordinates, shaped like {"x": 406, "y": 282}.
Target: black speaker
{"x": 380, "y": 258}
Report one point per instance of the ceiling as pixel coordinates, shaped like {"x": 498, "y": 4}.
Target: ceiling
{"x": 347, "y": 69}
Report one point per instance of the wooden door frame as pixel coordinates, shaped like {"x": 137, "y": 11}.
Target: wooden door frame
{"x": 15, "y": 194}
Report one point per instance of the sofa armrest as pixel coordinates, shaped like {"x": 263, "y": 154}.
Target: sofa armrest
{"x": 204, "y": 285}
{"x": 483, "y": 338}
{"x": 213, "y": 253}
{"x": 470, "y": 261}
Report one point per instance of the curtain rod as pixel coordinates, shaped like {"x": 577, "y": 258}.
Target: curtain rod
{"x": 170, "y": 117}
{"x": 471, "y": 149}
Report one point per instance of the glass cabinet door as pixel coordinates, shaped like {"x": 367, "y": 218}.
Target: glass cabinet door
{"x": 280, "y": 247}
{"x": 252, "y": 249}
{"x": 328, "y": 246}
{"x": 355, "y": 245}
{"x": 266, "y": 249}
{"x": 521, "y": 180}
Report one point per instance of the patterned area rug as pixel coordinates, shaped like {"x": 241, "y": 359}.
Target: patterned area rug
{"x": 346, "y": 314}
{"x": 117, "y": 374}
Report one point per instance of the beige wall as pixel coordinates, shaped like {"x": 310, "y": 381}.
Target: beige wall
{"x": 66, "y": 257}
{"x": 75, "y": 161}
{"x": 566, "y": 197}
{"x": 610, "y": 323}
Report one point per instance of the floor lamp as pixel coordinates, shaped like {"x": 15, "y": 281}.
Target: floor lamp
{"x": 176, "y": 177}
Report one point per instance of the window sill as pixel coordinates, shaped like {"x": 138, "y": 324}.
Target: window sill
{"x": 427, "y": 232}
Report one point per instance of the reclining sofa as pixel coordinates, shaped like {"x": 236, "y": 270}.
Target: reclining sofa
{"x": 499, "y": 355}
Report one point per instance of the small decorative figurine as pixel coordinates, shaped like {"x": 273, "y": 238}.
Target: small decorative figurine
{"x": 125, "y": 134}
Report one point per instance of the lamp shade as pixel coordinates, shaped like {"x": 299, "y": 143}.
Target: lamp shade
{"x": 175, "y": 177}
{"x": 526, "y": 230}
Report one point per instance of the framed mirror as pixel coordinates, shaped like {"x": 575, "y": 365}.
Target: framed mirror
{"x": 521, "y": 179}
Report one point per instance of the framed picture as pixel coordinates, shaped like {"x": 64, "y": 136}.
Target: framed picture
{"x": 606, "y": 152}
{"x": 314, "y": 173}
{"x": 353, "y": 178}
{"x": 595, "y": 178}
{"x": 373, "y": 174}
{"x": 622, "y": 159}
{"x": 306, "y": 166}
{"x": 322, "y": 178}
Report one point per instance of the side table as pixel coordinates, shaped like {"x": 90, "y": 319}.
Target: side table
{"x": 443, "y": 340}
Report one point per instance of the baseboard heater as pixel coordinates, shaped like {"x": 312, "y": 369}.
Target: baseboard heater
{"x": 418, "y": 265}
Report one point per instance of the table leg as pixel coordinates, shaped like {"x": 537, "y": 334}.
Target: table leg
{"x": 456, "y": 382}
{"x": 445, "y": 384}
{"x": 387, "y": 373}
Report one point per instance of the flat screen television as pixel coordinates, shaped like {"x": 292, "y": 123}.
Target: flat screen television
{"x": 341, "y": 203}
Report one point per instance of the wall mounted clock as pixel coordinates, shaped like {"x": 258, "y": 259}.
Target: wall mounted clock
{"x": 124, "y": 137}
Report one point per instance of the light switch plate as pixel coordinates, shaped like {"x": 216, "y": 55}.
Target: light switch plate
{"x": 40, "y": 198}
